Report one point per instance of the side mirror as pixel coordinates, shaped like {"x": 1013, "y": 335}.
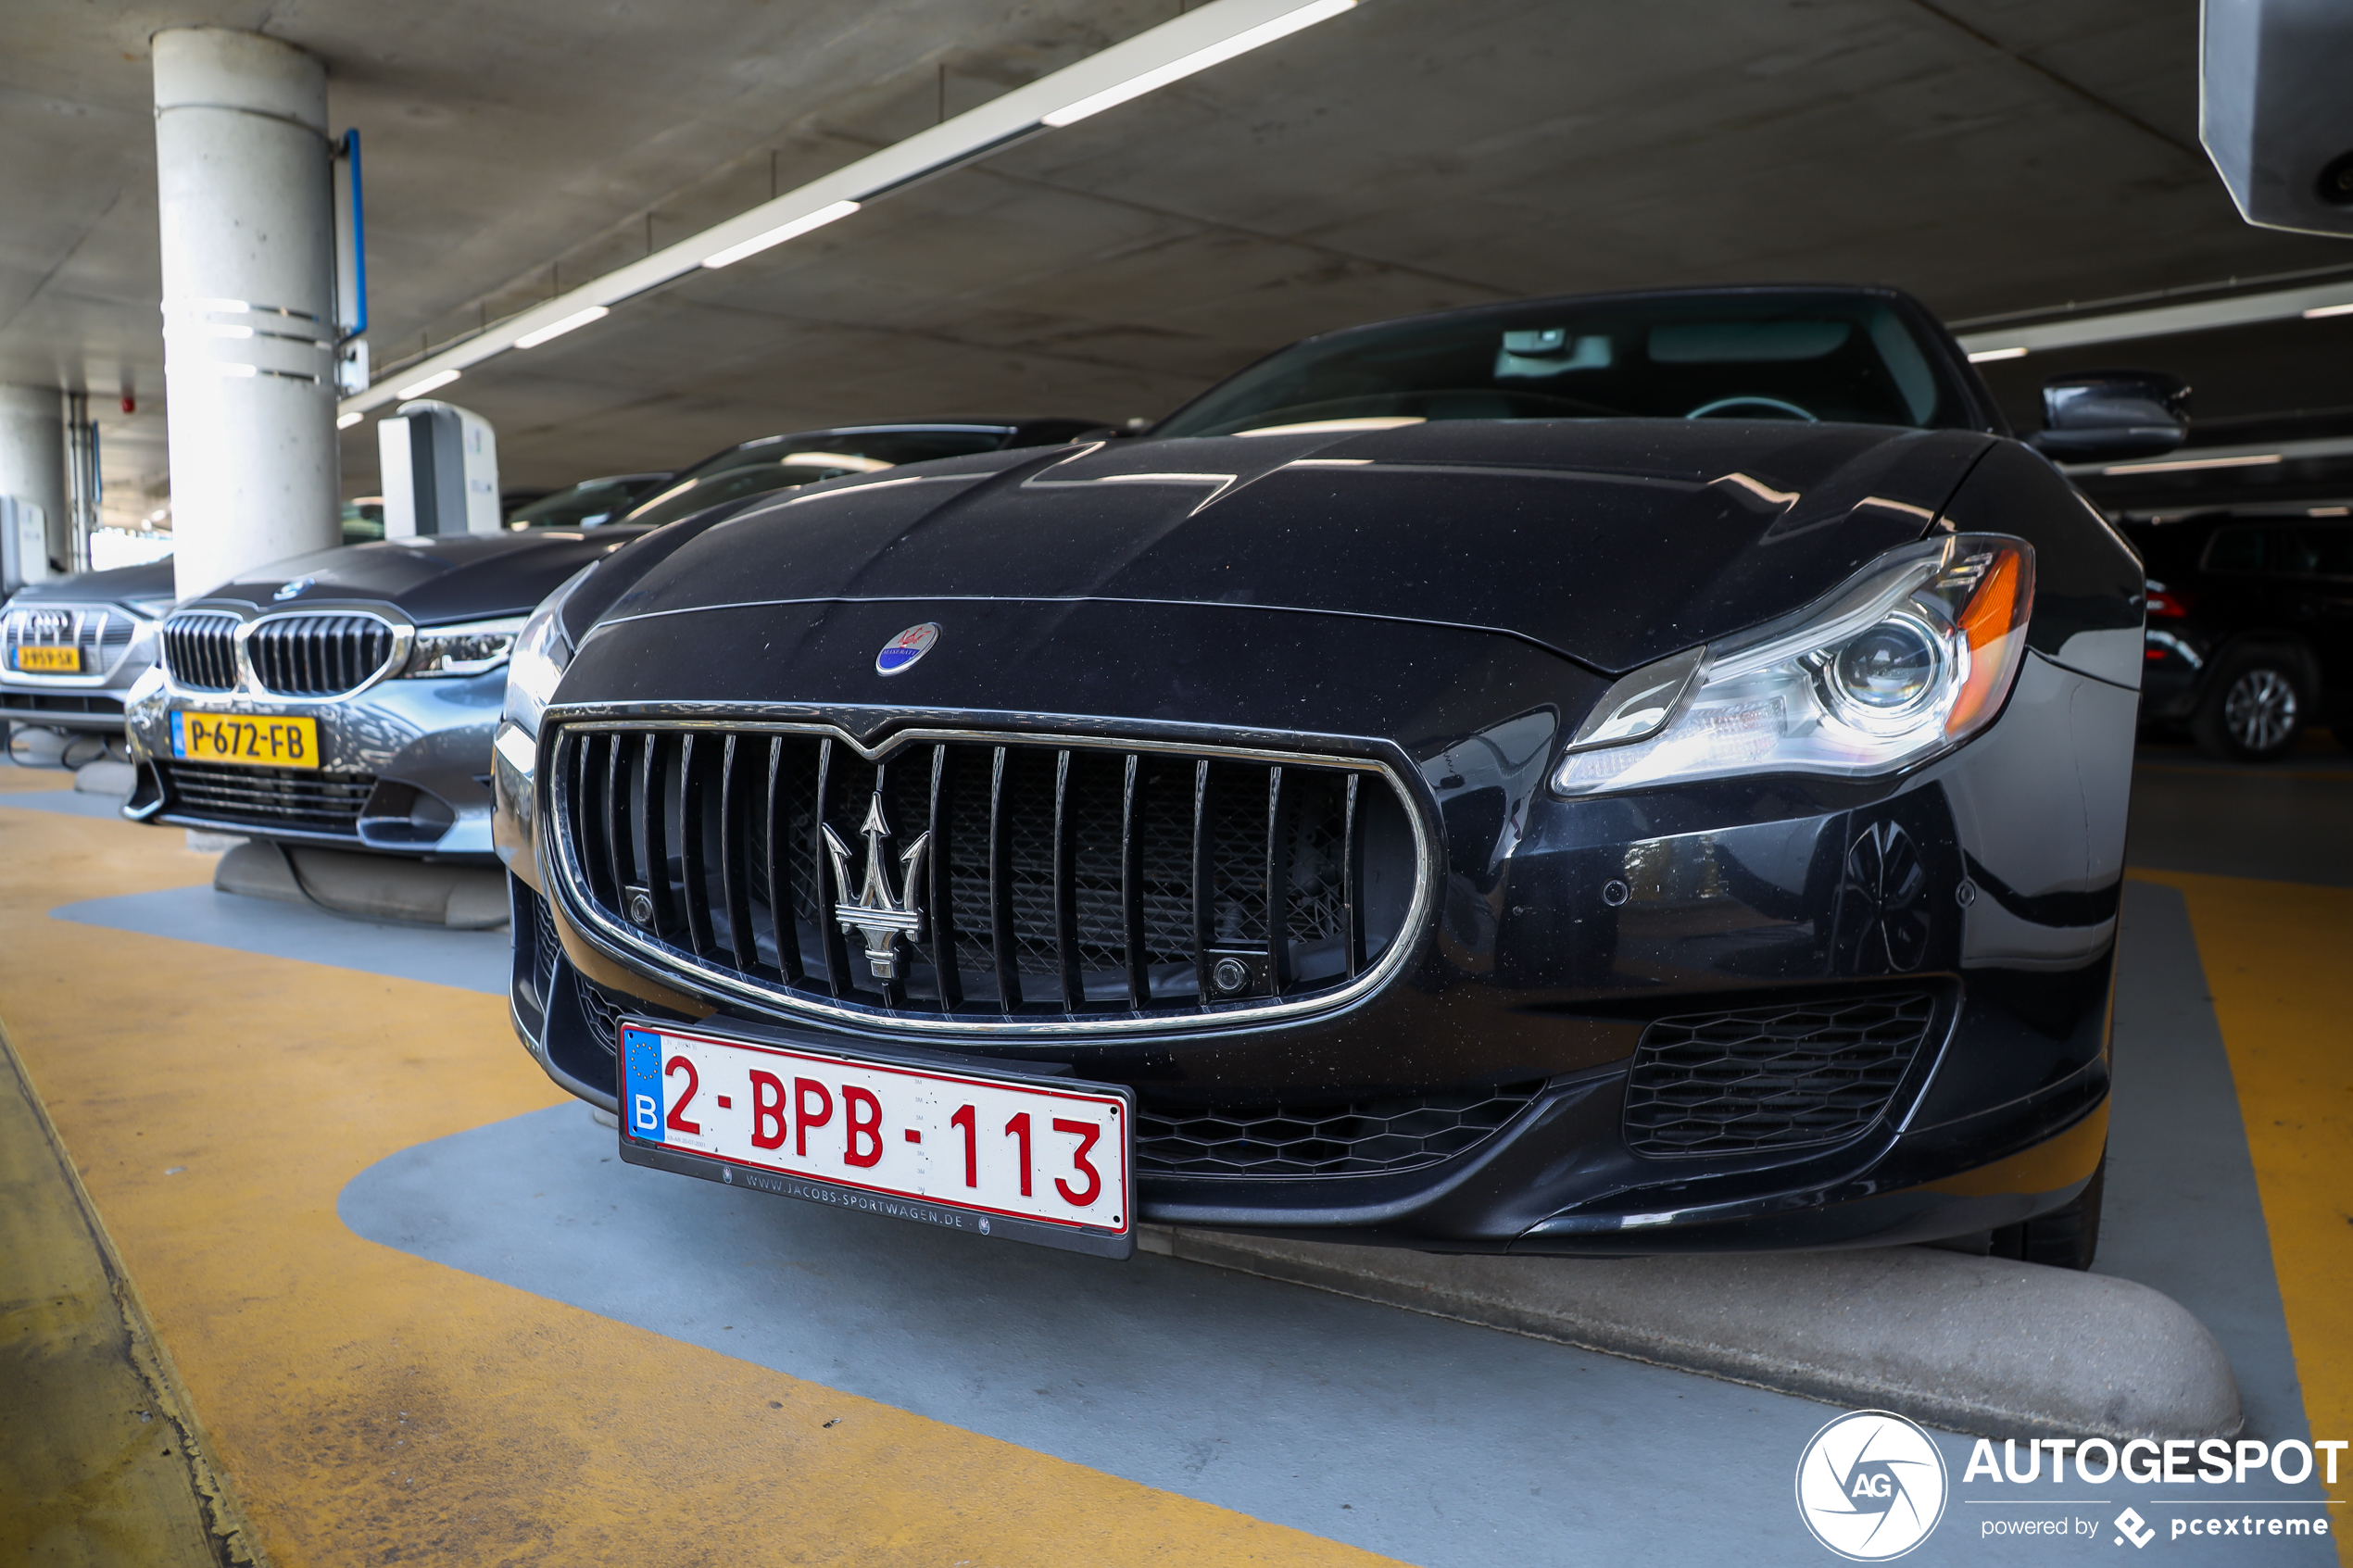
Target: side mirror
{"x": 2105, "y": 414}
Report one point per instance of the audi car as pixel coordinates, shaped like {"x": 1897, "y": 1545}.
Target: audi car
{"x": 71, "y": 649}
{"x": 1619, "y": 774}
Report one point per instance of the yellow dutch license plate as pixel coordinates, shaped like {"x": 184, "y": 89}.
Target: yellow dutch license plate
{"x": 222, "y": 737}
{"x": 41, "y": 660}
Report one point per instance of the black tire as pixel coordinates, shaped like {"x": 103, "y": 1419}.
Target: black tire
{"x": 2256, "y": 705}
{"x": 2066, "y": 1238}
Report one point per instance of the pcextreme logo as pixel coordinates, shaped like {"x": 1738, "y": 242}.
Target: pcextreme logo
{"x": 1872, "y": 1485}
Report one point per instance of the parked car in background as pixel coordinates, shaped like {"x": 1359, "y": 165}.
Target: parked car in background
{"x": 589, "y": 504}
{"x": 349, "y": 698}
{"x": 770, "y": 463}
{"x": 71, "y": 649}
{"x": 2250, "y": 625}
{"x": 1622, "y": 774}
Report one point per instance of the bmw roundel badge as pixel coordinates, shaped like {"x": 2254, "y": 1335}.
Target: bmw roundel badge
{"x": 900, "y": 653}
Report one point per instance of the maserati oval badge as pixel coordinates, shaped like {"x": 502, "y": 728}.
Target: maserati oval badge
{"x": 293, "y": 589}
{"x": 900, "y": 653}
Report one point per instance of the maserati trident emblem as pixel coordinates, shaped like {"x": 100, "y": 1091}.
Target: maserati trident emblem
{"x": 873, "y": 912}
{"x": 900, "y": 653}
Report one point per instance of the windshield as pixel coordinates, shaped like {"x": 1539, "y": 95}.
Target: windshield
{"x": 782, "y": 462}
{"x": 586, "y": 504}
{"x": 1764, "y": 355}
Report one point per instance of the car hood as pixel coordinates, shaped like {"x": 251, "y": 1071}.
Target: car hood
{"x": 1612, "y": 541}
{"x": 121, "y": 584}
{"x": 434, "y": 579}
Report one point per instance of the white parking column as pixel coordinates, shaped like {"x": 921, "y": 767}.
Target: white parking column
{"x": 32, "y": 457}
{"x": 243, "y": 169}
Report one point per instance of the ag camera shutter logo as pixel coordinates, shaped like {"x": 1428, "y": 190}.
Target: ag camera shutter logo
{"x": 1872, "y": 1485}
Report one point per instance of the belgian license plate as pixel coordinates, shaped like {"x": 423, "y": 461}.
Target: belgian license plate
{"x": 999, "y": 1156}
{"x": 220, "y": 737}
{"x": 40, "y": 658}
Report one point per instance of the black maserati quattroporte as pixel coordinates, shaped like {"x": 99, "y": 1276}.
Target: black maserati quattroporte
{"x": 1617, "y": 774}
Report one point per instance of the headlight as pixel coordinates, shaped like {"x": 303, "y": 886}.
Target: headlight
{"x": 1913, "y": 655}
{"x": 540, "y": 654}
{"x": 472, "y": 650}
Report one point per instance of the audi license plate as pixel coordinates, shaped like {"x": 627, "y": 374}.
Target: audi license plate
{"x": 1027, "y": 1158}
{"x": 36, "y": 659}
{"x": 275, "y": 742}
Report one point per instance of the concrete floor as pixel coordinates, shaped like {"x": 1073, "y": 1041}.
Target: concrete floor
{"x": 423, "y": 1313}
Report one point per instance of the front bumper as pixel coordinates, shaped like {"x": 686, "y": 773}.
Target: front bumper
{"x": 89, "y": 704}
{"x": 405, "y": 769}
{"x": 1565, "y": 934}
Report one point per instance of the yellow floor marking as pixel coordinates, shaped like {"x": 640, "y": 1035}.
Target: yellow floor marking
{"x": 366, "y": 1403}
{"x": 2279, "y": 964}
{"x": 103, "y": 1465}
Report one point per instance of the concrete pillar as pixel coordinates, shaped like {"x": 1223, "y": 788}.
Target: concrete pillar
{"x": 242, "y": 163}
{"x": 32, "y": 457}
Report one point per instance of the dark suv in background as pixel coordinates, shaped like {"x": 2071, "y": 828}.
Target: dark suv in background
{"x": 2250, "y": 625}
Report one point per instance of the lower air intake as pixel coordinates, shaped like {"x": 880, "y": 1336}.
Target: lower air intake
{"x": 1358, "y": 1138}
{"x": 1770, "y": 1078}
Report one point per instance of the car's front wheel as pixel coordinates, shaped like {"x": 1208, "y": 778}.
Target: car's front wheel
{"x": 2067, "y": 1236}
{"x": 2254, "y": 707}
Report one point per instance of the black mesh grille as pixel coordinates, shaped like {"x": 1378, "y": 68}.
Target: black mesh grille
{"x": 265, "y": 797}
{"x": 1767, "y": 1078}
{"x": 1058, "y": 880}
{"x": 548, "y": 949}
{"x": 200, "y": 651}
{"x": 604, "y": 1015}
{"x": 317, "y": 654}
{"x": 1365, "y": 1137}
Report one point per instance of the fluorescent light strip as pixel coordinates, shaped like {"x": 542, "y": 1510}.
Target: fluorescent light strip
{"x": 2163, "y": 320}
{"x": 557, "y": 329}
{"x": 1986, "y": 356}
{"x": 1199, "y": 60}
{"x": 2184, "y": 465}
{"x": 432, "y": 383}
{"x": 776, "y": 236}
{"x": 345, "y": 422}
{"x": 1178, "y": 47}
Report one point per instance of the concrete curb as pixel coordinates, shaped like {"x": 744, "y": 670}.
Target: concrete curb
{"x": 103, "y": 777}
{"x": 1979, "y": 1346}
{"x": 380, "y": 887}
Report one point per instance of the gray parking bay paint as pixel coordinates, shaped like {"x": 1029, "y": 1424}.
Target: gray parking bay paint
{"x": 472, "y": 960}
{"x": 2182, "y": 1213}
{"x": 1448, "y": 1444}
{"x": 64, "y": 802}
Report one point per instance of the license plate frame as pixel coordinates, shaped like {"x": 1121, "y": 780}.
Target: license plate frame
{"x": 282, "y": 740}
{"x": 722, "y": 1058}
{"x": 45, "y": 658}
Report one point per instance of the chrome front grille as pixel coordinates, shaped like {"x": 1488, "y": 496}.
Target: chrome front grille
{"x": 1059, "y": 882}
{"x": 100, "y": 634}
{"x": 237, "y": 795}
{"x": 200, "y": 650}
{"x": 318, "y": 654}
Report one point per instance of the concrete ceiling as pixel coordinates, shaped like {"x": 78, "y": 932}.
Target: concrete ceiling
{"x": 1993, "y": 155}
